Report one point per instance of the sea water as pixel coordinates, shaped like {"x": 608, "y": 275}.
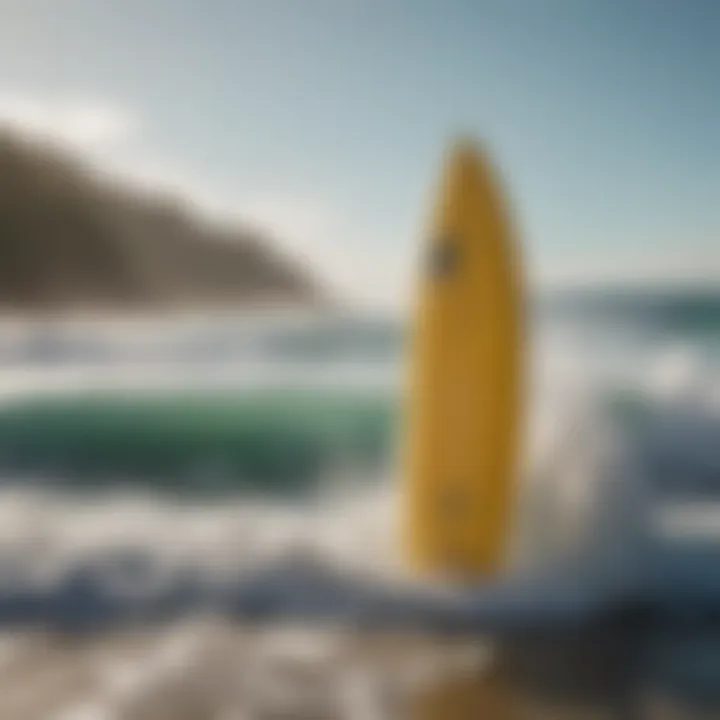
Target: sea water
{"x": 308, "y": 411}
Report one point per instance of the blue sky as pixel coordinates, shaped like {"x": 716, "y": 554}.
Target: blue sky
{"x": 325, "y": 120}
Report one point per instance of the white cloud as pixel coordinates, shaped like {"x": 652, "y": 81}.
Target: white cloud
{"x": 87, "y": 124}
{"x": 106, "y": 134}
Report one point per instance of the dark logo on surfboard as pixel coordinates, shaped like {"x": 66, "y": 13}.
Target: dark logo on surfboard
{"x": 443, "y": 258}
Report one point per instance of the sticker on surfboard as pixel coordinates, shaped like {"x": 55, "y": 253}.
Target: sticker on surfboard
{"x": 443, "y": 258}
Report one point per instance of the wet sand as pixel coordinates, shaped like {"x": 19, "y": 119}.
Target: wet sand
{"x": 206, "y": 669}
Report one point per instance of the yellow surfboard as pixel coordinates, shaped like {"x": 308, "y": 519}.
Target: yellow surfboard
{"x": 463, "y": 413}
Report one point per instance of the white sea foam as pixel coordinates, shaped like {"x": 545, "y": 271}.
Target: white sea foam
{"x": 348, "y": 527}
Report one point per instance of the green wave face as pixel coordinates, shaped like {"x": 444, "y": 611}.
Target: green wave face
{"x": 270, "y": 441}
{"x": 285, "y": 441}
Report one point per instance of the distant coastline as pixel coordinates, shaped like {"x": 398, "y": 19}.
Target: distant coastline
{"x": 669, "y": 305}
{"x": 73, "y": 241}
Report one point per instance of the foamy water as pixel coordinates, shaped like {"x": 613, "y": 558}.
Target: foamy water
{"x": 203, "y": 667}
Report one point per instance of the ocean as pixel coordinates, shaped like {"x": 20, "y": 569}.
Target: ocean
{"x": 242, "y": 439}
